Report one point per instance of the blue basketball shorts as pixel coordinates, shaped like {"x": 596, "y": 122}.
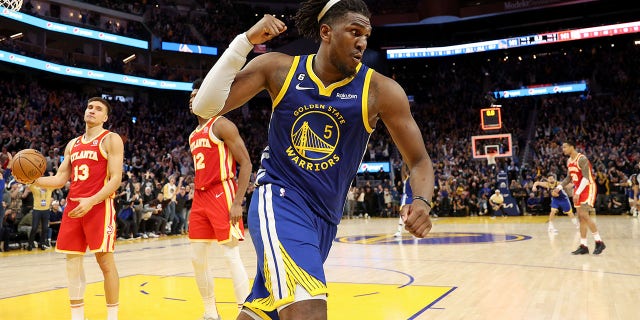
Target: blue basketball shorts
{"x": 291, "y": 242}
{"x": 561, "y": 204}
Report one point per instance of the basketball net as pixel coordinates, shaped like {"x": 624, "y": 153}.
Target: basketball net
{"x": 14, "y": 5}
{"x": 491, "y": 159}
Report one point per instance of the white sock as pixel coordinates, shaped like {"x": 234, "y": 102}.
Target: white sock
{"x": 596, "y": 236}
{"x": 210, "y": 307}
{"x": 574, "y": 220}
{"x": 77, "y": 311}
{"x": 112, "y": 311}
{"x": 583, "y": 241}
{"x": 551, "y": 225}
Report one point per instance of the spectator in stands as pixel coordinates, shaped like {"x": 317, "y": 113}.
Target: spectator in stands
{"x": 27, "y": 201}
{"x": 460, "y": 206}
{"x": 126, "y": 218}
{"x": 534, "y": 204}
{"x": 55, "y": 218}
{"x": 24, "y": 226}
{"x": 52, "y": 161}
{"x": 370, "y": 202}
{"x": 170, "y": 190}
{"x": 616, "y": 204}
{"x": 350, "y": 205}
{"x": 182, "y": 196}
{"x": 361, "y": 205}
{"x": 602, "y": 184}
{"x": 9, "y": 227}
{"x": 152, "y": 214}
{"x": 15, "y": 192}
{"x": 40, "y": 215}
{"x": 474, "y": 205}
{"x": 138, "y": 204}
{"x": 445, "y": 205}
{"x": 160, "y": 225}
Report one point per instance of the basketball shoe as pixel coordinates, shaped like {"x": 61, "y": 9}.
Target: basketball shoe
{"x": 599, "y": 247}
{"x": 582, "y": 249}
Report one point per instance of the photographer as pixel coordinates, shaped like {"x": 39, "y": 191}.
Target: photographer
{"x": 497, "y": 204}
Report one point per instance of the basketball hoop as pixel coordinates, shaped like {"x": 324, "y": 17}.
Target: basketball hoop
{"x": 14, "y": 5}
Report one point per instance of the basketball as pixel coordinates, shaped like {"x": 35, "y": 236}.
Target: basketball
{"x": 28, "y": 165}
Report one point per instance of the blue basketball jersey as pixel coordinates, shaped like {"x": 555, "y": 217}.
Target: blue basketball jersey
{"x": 562, "y": 195}
{"x": 317, "y": 136}
{"x": 407, "y": 193}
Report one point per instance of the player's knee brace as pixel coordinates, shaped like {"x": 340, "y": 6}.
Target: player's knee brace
{"x": 199, "y": 255}
{"x": 76, "y": 277}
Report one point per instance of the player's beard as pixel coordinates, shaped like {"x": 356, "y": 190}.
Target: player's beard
{"x": 345, "y": 69}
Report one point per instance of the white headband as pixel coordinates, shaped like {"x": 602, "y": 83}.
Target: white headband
{"x": 326, "y": 8}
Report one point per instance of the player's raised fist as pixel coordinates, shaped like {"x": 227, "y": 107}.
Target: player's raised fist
{"x": 266, "y": 29}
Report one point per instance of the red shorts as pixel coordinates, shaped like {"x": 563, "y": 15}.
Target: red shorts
{"x": 588, "y": 196}
{"x": 96, "y": 229}
{"x": 209, "y": 218}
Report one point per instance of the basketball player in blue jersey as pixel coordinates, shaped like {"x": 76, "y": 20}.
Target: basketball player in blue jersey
{"x": 632, "y": 189}
{"x": 324, "y": 108}
{"x": 559, "y": 200}
{"x": 407, "y": 197}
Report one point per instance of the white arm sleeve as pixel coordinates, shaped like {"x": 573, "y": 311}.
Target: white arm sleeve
{"x": 583, "y": 184}
{"x": 215, "y": 87}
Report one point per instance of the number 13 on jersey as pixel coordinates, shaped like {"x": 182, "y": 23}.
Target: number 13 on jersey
{"x": 81, "y": 172}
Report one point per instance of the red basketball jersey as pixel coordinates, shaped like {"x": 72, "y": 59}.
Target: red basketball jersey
{"x": 88, "y": 167}
{"x": 212, "y": 159}
{"x": 576, "y": 173}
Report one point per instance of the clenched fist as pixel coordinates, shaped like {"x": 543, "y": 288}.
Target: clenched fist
{"x": 266, "y": 29}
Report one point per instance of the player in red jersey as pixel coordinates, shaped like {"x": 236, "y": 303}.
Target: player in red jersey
{"x": 93, "y": 162}
{"x": 580, "y": 172}
{"x": 216, "y": 213}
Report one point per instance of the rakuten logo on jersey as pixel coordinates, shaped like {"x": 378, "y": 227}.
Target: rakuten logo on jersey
{"x": 346, "y": 96}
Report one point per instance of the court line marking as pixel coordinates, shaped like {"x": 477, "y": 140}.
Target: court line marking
{"x": 429, "y": 306}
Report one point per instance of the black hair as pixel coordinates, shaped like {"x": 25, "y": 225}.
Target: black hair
{"x": 103, "y": 101}
{"x": 306, "y": 18}
{"x": 570, "y": 141}
{"x": 196, "y": 84}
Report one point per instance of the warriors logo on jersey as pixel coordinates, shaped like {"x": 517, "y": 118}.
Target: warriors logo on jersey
{"x": 314, "y": 137}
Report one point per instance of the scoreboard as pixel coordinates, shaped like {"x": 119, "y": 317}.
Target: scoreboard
{"x": 491, "y": 118}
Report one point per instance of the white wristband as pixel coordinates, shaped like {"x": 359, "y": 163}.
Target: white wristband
{"x": 216, "y": 85}
{"x": 583, "y": 184}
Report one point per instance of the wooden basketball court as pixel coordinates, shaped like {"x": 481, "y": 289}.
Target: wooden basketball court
{"x": 469, "y": 268}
